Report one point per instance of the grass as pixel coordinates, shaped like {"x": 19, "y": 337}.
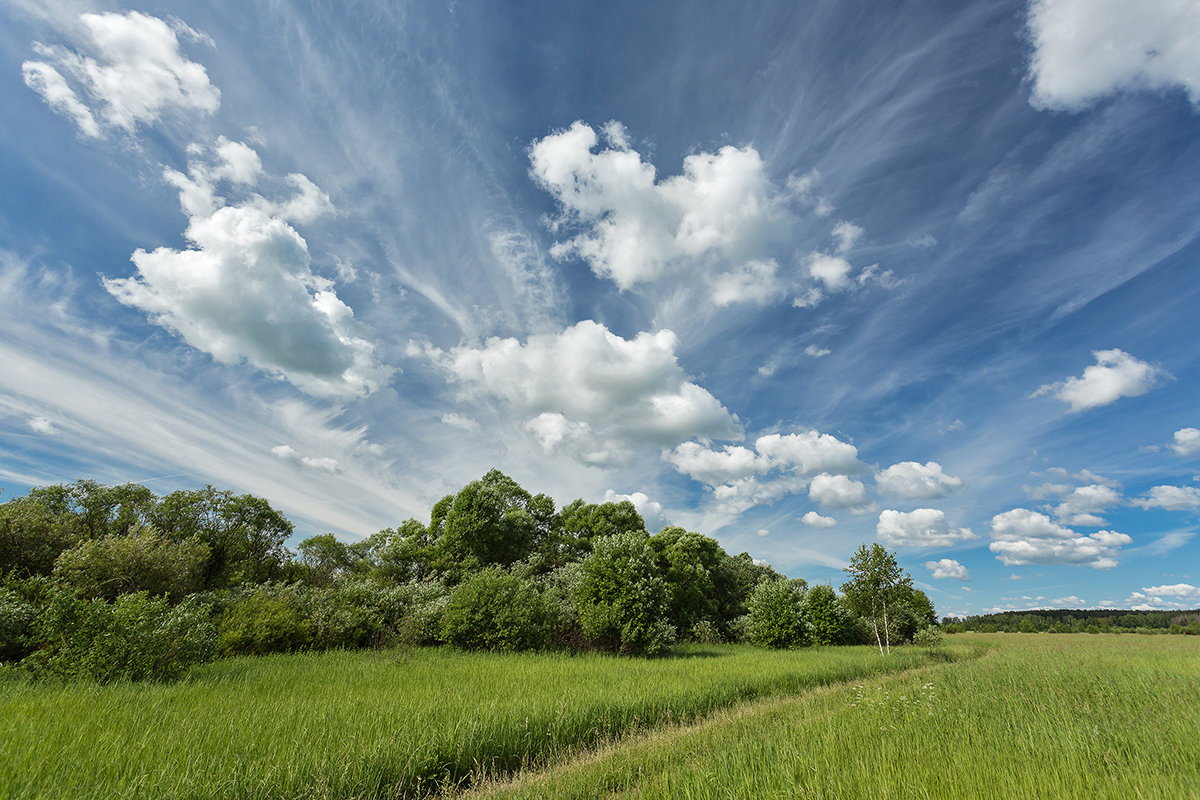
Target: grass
{"x": 1038, "y": 716}
{"x": 373, "y": 724}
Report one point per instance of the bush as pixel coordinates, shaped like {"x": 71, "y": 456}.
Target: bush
{"x": 17, "y": 617}
{"x": 622, "y": 599}
{"x": 778, "y": 615}
{"x": 928, "y": 637}
{"x": 134, "y": 638}
{"x": 495, "y": 610}
{"x": 144, "y": 561}
{"x": 263, "y": 620}
{"x": 706, "y": 632}
{"x": 830, "y": 622}
{"x": 424, "y": 602}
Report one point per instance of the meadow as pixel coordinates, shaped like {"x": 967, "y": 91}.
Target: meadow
{"x": 1036, "y": 716}
{"x": 369, "y": 724}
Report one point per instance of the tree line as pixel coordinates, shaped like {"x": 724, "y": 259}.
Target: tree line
{"x": 110, "y": 582}
{"x": 1078, "y": 621}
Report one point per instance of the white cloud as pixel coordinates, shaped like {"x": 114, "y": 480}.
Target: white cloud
{"x": 715, "y": 467}
{"x": 913, "y": 481}
{"x": 245, "y": 289}
{"x": 1171, "y": 498}
{"x": 1115, "y": 374}
{"x": 814, "y": 520}
{"x": 847, "y": 235}
{"x": 812, "y": 351}
{"x": 587, "y": 390}
{"x": 1022, "y": 537}
{"x": 947, "y": 568}
{"x": 651, "y": 511}
{"x": 1084, "y": 504}
{"x": 134, "y": 74}
{"x": 830, "y": 270}
{"x": 1174, "y": 596}
{"x": 922, "y": 527}
{"x": 809, "y": 452}
{"x": 459, "y": 421}
{"x": 837, "y": 491}
{"x": 720, "y": 219}
{"x": 1085, "y": 49}
{"x": 287, "y": 453}
{"x": 1070, "y": 601}
{"x": 762, "y": 532}
{"x": 1187, "y": 442}
{"x": 42, "y": 425}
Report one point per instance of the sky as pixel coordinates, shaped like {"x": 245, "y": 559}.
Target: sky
{"x": 798, "y": 276}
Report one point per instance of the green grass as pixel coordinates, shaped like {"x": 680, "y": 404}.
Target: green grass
{"x": 1039, "y": 716}
{"x": 374, "y": 724}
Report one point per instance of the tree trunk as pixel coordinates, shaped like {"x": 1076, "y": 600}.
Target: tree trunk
{"x": 875, "y": 625}
{"x": 887, "y": 636}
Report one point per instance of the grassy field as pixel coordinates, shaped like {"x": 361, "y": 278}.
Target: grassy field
{"x": 374, "y": 724}
{"x": 1038, "y": 716}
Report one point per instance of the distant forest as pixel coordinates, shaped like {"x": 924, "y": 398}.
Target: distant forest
{"x": 1078, "y": 621}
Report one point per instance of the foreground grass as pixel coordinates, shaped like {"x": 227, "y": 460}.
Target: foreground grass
{"x": 1040, "y": 716}
{"x": 374, "y": 724}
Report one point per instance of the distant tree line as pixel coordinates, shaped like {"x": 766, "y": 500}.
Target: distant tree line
{"x": 1078, "y": 621}
{"x": 112, "y": 582}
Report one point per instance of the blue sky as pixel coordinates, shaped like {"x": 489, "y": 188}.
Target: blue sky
{"x": 798, "y": 276}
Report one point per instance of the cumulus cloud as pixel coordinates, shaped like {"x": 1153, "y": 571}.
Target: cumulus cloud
{"x": 287, "y": 453}
{"x": 1173, "y": 596}
{"x": 586, "y": 386}
{"x": 651, "y": 511}
{"x": 837, "y": 491}
{"x": 947, "y": 568}
{"x": 130, "y": 72}
{"x": 922, "y": 527}
{"x": 1115, "y": 374}
{"x": 1085, "y": 49}
{"x": 1084, "y": 504}
{"x": 245, "y": 287}
{"x": 721, "y": 218}
{"x": 814, "y": 520}
{"x": 777, "y": 465}
{"x": 1170, "y": 498}
{"x": 1187, "y": 442}
{"x": 914, "y": 481}
{"x": 1021, "y": 536}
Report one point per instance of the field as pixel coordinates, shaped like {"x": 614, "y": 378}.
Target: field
{"x": 1036, "y": 715}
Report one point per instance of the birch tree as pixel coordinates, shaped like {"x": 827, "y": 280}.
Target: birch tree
{"x": 876, "y": 583}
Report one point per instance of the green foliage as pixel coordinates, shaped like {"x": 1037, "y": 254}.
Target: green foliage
{"x": 489, "y": 521}
{"x": 928, "y": 637}
{"x": 702, "y": 584}
{"x": 134, "y": 638}
{"x": 877, "y": 589}
{"x": 495, "y": 610}
{"x": 830, "y": 622}
{"x": 779, "y": 615}
{"x": 142, "y": 561}
{"x": 32, "y": 535}
{"x": 581, "y": 524}
{"x": 424, "y": 602}
{"x": 622, "y": 598}
{"x": 266, "y": 619}
{"x": 706, "y": 632}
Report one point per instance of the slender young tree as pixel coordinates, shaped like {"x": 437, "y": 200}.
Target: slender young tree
{"x": 876, "y": 582}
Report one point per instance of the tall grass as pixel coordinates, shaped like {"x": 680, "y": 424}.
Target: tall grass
{"x": 372, "y": 724}
{"x": 1069, "y": 716}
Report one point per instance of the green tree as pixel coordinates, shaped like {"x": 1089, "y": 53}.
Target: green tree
{"x": 830, "y": 622}
{"x": 325, "y": 558}
{"x": 32, "y": 535}
{"x": 876, "y": 585}
{"x": 146, "y": 561}
{"x": 621, "y": 597}
{"x": 701, "y": 582}
{"x": 779, "y": 615}
{"x": 495, "y": 610}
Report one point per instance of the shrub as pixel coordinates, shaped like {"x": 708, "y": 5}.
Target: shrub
{"x": 144, "y": 561}
{"x": 778, "y": 615}
{"x": 706, "y": 632}
{"x": 928, "y": 637}
{"x": 424, "y": 602}
{"x": 495, "y": 610}
{"x": 134, "y": 638}
{"x": 17, "y": 617}
{"x": 263, "y": 621}
{"x": 830, "y": 621}
{"x": 622, "y": 599}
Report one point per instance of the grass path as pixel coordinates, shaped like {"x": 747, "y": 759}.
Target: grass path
{"x": 1039, "y": 716}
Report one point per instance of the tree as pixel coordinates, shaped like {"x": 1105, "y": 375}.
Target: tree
{"x": 325, "y": 558}
{"x": 701, "y": 583}
{"x": 876, "y": 584}
{"x": 831, "y": 623}
{"x": 621, "y": 597}
{"x": 144, "y": 561}
{"x": 779, "y": 614}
